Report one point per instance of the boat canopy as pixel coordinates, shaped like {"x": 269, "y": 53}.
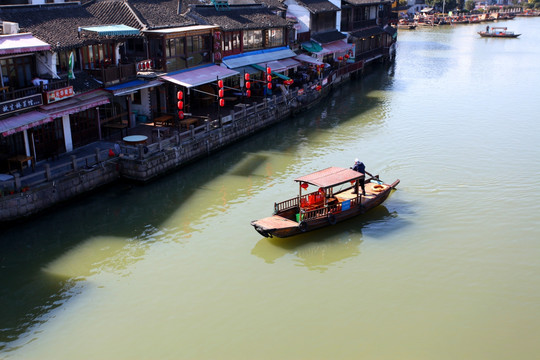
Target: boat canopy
{"x": 331, "y": 176}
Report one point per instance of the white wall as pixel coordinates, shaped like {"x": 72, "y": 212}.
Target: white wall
{"x": 338, "y": 13}
{"x": 301, "y": 14}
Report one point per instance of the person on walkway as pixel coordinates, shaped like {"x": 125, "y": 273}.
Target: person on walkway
{"x": 361, "y": 168}
{"x": 487, "y": 28}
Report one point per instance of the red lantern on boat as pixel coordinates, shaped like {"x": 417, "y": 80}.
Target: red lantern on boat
{"x": 248, "y": 93}
{"x": 304, "y": 185}
{"x": 180, "y": 105}
{"x": 246, "y": 76}
{"x": 248, "y": 85}
{"x": 181, "y": 115}
{"x": 222, "y": 102}
{"x": 268, "y": 70}
{"x": 269, "y": 78}
{"x": 269, "y": 86}
{"x": 180, "y": 95}
{"x": 340, "y": 58}
{"x": 220, "y": 83}
{"x": 221, "y": 93}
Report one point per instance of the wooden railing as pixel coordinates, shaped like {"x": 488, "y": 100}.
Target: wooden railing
{"x": 114, "y": 73}
{"x": 21, "y": 184}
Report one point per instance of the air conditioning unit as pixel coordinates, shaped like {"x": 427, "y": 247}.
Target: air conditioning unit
{"x": 10, "y": 27}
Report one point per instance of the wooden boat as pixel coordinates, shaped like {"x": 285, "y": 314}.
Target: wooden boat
{"x": 498, "y": 32}
{"x": 406, "y": 24}
{"x": 337, "y": 199}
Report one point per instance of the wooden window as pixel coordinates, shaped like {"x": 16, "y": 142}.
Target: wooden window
{"x": 253, "y": 39}
{"x": 17, "y": 72}
{"x": 274, "y": 37}
{"x": 231, "y": 43}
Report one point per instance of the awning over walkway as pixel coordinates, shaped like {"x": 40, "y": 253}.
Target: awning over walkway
{"x": 18, "y": 123}
{"x": 280, "y": 65}
{"x": 199, "y": 76}
{"x": 308, "y": 59}
{"x": 132, "y": 86}
{"x": 76, "y": 104}
{"x": 311, "y": 46}
{"x": 336, "y": 47}
{"x": 246, "y": 69}
{"x": 256, "y": 57}
{"x": 281, "y": 76}
{"x": 112, "y": 30}
{"x": 21, "y": 43}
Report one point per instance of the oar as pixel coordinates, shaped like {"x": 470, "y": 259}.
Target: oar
{"x": 375, "y": 177}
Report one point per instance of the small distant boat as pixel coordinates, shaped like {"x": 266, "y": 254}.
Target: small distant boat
{"x": 498, "y": 32}
{"x": 406, "y": 25}
{"x": 338, "y": 198}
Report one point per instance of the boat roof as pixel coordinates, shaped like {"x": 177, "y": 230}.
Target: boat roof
{"x": 331, "y": 176}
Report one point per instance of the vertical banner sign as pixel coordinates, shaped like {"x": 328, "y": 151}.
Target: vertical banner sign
{"x": 71, "y": 76}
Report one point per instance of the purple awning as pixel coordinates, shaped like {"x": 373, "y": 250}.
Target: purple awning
{"x": 76, "y": 104}
{"x": 18, "y": 123}
{"x": 21, "y": 43}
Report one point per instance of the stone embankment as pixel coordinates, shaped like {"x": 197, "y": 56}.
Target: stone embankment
{"x": 42, "y": 190}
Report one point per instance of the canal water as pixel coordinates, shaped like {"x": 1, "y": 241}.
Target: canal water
{"x": 447, "y": 268}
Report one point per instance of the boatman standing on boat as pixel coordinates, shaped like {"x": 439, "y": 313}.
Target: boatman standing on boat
{"x": 361, "y": 168}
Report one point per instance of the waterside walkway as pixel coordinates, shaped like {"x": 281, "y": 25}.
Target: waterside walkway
{"x": 149, "y": 152}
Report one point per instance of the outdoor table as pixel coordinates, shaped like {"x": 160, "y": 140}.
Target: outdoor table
{"x": 163, "y": 120}
{"x": 135, "y": 139}
{"x": 186, "y": 123}
{"x": 20, "y": 160}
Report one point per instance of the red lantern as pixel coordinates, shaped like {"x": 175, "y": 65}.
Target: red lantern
{"x": 248, "y": 93}
{"x": 269, "y": 78}
{"x": 246, "y": 76}
{"x": 269, "y": 86}
{"x": 222, "y": 102}
{"x": 318, "y": 88}
{"x": 220, "y": 83}
{"x": 304, "y": 186}
{"x": 346, "y": 57}
{"x": 180, "y": 105}
{"x": 268, "y": 70}
{"x": 180, "y": 95}
{"x": 181, "y": 115}
{"x": 340, "y": 58}
{"x": 221, "y": 93}
{"x": 248, "y": 85}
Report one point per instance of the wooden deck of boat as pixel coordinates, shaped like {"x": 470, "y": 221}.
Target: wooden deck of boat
{"x": 276, "y": 222}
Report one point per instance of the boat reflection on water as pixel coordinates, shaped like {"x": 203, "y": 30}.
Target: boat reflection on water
{"x": 327, "y": 247}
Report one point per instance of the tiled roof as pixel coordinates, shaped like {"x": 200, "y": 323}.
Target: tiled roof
{"x": 114, "y": 12}
{"x": 55, "y": 24}
{"x": 367, "y": 2}
{"x": 273, "y": 4}
{"x": 160, "y": 13}
{"x": 318, "y": 6}
{"x": 238, "y": 17}
{"x": 329, "y": 36}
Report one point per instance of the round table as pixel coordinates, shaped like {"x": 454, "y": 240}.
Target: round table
{"x": 135, "y": 139}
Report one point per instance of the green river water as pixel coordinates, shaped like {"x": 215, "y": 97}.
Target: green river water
{"x": 447, "y": 268}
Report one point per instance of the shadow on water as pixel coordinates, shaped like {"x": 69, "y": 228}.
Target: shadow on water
{"x": 42, "y": 261}
{"x": 321, "y": 249}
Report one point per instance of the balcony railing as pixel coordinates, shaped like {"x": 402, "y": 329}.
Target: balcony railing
{"x": 114, "y": 73}
{"x": 13, "y": 94}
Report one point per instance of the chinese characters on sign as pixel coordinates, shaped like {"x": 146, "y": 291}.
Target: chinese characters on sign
{"x": 59, "y": 94}
{"x": 20, "y": 104}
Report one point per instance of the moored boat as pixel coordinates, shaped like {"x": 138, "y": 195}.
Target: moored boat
{"x": 338, "y": 198}
{"x": 498, "y": 32}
